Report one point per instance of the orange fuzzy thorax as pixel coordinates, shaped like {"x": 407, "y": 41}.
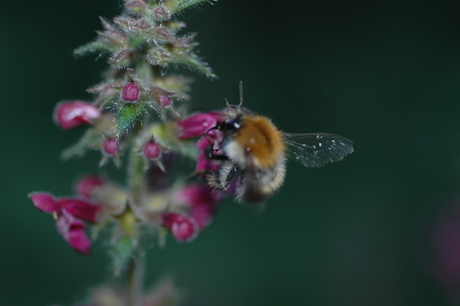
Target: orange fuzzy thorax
{"x": 262, "y": 140}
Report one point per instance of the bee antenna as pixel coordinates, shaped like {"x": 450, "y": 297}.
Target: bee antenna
{"x": 241, "y": 94}
{"x": 228, "y": 104}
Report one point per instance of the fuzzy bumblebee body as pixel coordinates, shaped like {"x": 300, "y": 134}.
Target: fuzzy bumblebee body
{"x": 253, "y": 154}
{"x": 257, "y": 148}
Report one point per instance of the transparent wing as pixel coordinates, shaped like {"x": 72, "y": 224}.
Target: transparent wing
{"x": 317, "y": 149}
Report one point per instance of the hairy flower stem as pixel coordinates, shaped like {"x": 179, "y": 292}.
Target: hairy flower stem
{"x": 135, "y": 276}
{"x": 137, "y": 190}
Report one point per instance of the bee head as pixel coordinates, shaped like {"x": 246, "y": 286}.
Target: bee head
{"x": 232, "y": 124}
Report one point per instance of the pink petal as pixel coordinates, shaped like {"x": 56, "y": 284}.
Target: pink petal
{"x": 79, "y": 241}
{"x": 198, "y": 125}
{"x": 86, "y": 184}
{"x": 205, "y": 164}
{"x": 202, "y": 215}
{"x": 70, "y": 114}
{"x": 80, "y": 208}
{"x": 44, "y": 201}
{"x": 73, "y": 231}
{"x": 196, "y": 194}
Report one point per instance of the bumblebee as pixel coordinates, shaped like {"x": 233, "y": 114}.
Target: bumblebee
{"x": 253, "y": 153}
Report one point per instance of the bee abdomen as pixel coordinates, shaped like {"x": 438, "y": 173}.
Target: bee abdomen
{"x": 259, "y": 185}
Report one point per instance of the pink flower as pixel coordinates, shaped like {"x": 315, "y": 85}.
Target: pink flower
{"x": 182, "y": 227}
{"x": 198, "y": 125}
{"x": 201, "y": 200}
{"x": 70, "y": 114}
{"x": 69, "y": 214}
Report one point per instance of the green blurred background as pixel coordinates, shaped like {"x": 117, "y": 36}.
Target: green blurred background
{"x": 385, "y": 74}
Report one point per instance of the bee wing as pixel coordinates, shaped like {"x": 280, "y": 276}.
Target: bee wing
{"x": 317, "y": 149}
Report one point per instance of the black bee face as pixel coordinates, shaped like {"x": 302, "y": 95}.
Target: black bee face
{"x": 232, "y": 125}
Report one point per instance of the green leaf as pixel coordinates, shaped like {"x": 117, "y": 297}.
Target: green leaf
{"x": 128, "y": 115}
{"x": 175, "y": 6}
{"x": 122, "y": 252}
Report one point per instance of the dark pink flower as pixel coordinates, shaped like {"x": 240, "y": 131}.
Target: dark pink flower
{"x": 86, "y": 185}
{"x": 70, "y": 114}
{"x": 130, "y": 92}
{"x": 201, "y": 200}
{"x": 182, "y": 227}
{"x": 198, "y": 125}
{"x": 69, "y": 213}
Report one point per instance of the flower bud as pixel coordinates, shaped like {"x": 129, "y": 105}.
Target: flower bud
{"x": 152, "y": 150}
{"x": 121, "y": 59}
{"x": 164, "y": 100}
{"x": 182, "y": 227}
{"x": 198, "y": 125}
{"x": 110, "y": 147}
{"x": 135, "y": 7}
{"x": 130, "y": 92}
{"x": 160, "y": 13}
{"x": 70, "y": 114}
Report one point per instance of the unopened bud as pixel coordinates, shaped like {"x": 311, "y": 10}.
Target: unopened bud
{"x": 164, "y": 100}
{"x": 160, "y": 13}
{"x": 135, "y": 7}
{"x": 130, "y": 92}
{"x": 152, "y": 150}
{"x": 110, "y": 146}
{"x": 120, "y": 59}
{"x": 182, "y": 227}
{"x": 73, "y": 113}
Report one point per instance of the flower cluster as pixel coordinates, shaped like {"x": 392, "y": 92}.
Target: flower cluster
{"x": 137, "y": 119}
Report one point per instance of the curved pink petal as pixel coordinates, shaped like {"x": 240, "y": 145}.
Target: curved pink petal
{"x": 44, "y": 201}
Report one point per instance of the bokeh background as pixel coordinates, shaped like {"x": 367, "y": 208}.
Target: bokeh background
{"x": 385, "y": 74}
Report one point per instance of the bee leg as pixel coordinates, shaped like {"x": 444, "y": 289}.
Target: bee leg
{"x": 208, "y": 153}
{"x": 230, "y": 175}
{"x": 221, "y": 179}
